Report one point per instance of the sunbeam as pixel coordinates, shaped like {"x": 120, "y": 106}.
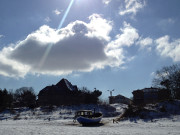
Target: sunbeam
{"x": 65, "y": 14}
{"x": 45, "y": 55}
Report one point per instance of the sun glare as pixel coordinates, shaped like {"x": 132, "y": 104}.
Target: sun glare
{"x": 46, "y": 53}
{"x": 80, "y": 2}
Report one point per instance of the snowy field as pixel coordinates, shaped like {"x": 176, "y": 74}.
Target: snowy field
{"x": 67, "y": 127}
{"x": 60, "y": 121}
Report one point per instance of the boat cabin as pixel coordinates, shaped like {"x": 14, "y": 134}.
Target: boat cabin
{"x": 85, "y": 113}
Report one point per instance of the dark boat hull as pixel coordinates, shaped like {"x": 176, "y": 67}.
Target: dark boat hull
{"x": 89, "y": 121}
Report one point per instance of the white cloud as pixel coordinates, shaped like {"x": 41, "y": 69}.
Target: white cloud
{"x": 1, "y": 36}
{"x": 127, "y": 38}
{"x": 99, "y": 27}
{"x": 132, "y": 7}
{"x": 79, "y": 46}
{"x": 168, "y": 49}
{"x": 106, "y": 1}
{"x": 47, "y": 19}
{"x": 145, "y": 43}
{"x": 164, "y": 24}
{"x": 11, "y": 68}
{"x": 57, "y": 12}
{"x": 171, "y": 21}
{"x": 115, "y": 48}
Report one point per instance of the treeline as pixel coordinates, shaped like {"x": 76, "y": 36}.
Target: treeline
{"x": 22, "y": 97}
{"x": 85, "y": 96}
{"x": 26, "y": 97}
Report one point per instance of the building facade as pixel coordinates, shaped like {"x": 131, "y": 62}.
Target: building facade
{"x": 150, "y": 95}
{"x": 119, "y": 99}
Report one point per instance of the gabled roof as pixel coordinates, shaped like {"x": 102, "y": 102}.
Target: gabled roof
{"x": 61, "y": 88}
{"x": 64, "y": 83}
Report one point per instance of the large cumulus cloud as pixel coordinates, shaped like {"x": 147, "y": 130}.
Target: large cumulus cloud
{"x": 79, "y": 46}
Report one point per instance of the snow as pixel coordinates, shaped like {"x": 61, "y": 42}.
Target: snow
{"x": 69, "y": 85}
{"x": 60, "y": 122}
{"x": 67, "y": 127}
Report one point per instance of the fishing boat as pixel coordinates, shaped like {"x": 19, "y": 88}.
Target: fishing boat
{"x": 87, "y": 117}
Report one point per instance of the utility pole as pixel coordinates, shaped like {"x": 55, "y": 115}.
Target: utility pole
{"x": 110, "y": 92}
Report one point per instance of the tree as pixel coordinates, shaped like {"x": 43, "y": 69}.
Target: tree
{"x": 25, "y": 97}
{"x": 1, "y": 100}
{"x": 6, "y": 99}
{"x": 88, "y": 97}
{"x": 169, "y": 78}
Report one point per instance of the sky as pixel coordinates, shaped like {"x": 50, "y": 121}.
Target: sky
{"x": 102, "y": 44}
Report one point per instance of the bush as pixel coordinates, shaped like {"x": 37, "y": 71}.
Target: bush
{"x": 25, "y": 97}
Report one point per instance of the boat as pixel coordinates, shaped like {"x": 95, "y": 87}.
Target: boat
{"x": 87, "y": 117}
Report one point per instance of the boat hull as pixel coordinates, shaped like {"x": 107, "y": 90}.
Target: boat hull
{"x": 88, "y": 121}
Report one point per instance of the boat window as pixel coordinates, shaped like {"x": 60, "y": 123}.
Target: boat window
{"x": 89, "y": 113}
{"x": 84, "y": 113}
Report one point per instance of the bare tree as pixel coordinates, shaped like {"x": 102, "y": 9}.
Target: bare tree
{"x": 169, "y": 78}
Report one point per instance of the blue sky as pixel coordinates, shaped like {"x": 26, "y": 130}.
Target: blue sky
{"x": 103, "y": 44}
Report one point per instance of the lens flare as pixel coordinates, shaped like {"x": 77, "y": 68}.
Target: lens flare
{"x": 48, "y": 49}
{"x": 65, "y": 14}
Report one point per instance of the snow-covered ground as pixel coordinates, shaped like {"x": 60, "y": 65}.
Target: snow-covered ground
{"x": 57, "y": 113}
{"x": 67, "y": 127}
{"x": 60, "y": 121}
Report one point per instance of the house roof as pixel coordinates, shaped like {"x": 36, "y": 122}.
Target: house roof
{"x": 61, "y": 88}
{"x": 146, "y": 90}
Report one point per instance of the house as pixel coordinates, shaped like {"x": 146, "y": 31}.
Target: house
{"x": 59, "y": 94}
{"x": 119, "y": 99}
{"x": 150, "y": 95}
